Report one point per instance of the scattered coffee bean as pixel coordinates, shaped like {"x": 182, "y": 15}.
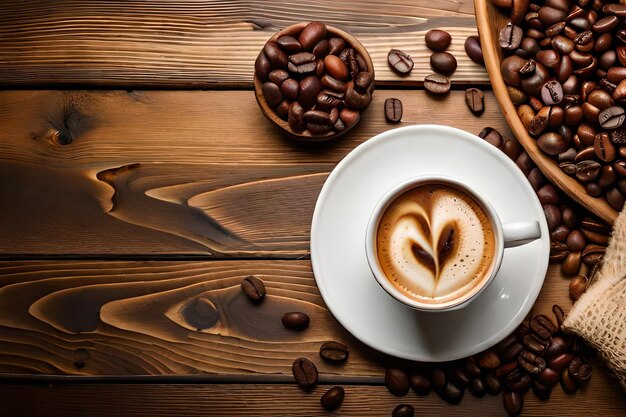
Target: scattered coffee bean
{"x": 393, "y": 110}
{"x": 437, "y": 84}
{"x": 419, "y": 384}
{"x": 567, "y": 383}
{"x": 304, "y": 372}
{"x": 453, "y": 394}
{"x": 254, "y": 288}
{"x": 477, "y": 387}
{"x": 437, "y": 40}
{"x": 560, "y": 362}
{"x": 473, "y": 50}
{"x": 579, "y": 371}
{"x": 530, "y": 362}
{"x": 577, "y": 287}
{"x": 443, "y": 62}
{"x": 493, "y": 384}
{"x": 513, "y": 403}
{"x": 332, "y": 399}
{"x": 403, "y": 410}
{"x": 439, "y": 380}
{"x": 489, "y": 360}
{"x": 542, "y": 326}
{"x": 296, "y": 321}
{"x": 397, "y": 381}
{"x": 474, "y": 98}
{"x": 334, "y": 351}
{"x": 400, "y": 61}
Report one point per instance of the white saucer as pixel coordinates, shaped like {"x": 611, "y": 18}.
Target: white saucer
{"x": 338, "y": 244}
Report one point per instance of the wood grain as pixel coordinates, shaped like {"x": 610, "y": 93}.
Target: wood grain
{"x": 68, "y": 400}
{"x": 491, "y": 20}
{"x": 144, "y": 173}
{"x": 201, "y": 43}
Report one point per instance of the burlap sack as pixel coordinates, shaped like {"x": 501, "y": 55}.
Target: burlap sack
{"x": 599, "y": 316}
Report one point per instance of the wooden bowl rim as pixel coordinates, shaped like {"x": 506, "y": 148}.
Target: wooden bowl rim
{"x": 548, "y": 167}
{"x": 271, "y": 115}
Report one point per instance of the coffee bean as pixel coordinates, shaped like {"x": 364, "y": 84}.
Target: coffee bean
{"x": 437, "y": 84}
{"x": 437, "y": 40}
{"x": 577, "y": 286}
{"x": 334, "y": 351}
{"x": 524, "y": 163}
{"x": 615, "y": 199}
{"x": 328, "y": 99}
{"x": 552, "y": 93}
{"x": 560, "y": 362}
{"x": 289, "y": 44}
{"x": 548, "y": 194}
{"x": 489, "y": 360}
{"x": 272, "y": 94}
{"x": 571, "y": 264}
{"x": 506, "y": 369}
{"x": 262, "y": 67}
{"x": 400, "y": 61}
{"x": 477, "y": 387}
{"x": 492, "y": 384}
{"x": 397, "y": 382}
{"x": 473, "y": 49}
{"x": 458, "y": 377}
{"x": 309, "y": 89}
{"x": 597, "y": 238}
{"x": 304, "y": 372}
{"x": 296, "y": 320}
{"x": 332, "y": 399}
{"x": 511, "y": 352}
{"x": 553, "y": 216}
{"x": 283, "y": 109}
{"x": 557, "y": 344}
{"x": 474, "y": 98}
{"x": 491, "y": 136}
{"x": 311, "y": 35}
{"x": 605, "y": 24}
{"x": 534, "y": 344}
{"x": 542, "y": 326}
{"x": 356, "y": 100}
{"x": 321, "y": 49}
{"x": 439, "y": 380}
{"x": 540, "y": 390}
{"x": 363, "y": 81}
{"x": 575, "y": 241}
{"x": 603, "y": 147}
{"x": 290, "y": 89}
{"x": 295, "y": 117}
{"x": 563, "y": 45}
{"x": 419, "y": 384}
{"x": 512, "y": 149}
{"x": 579, "y": 371}
{"x": 318, "y": 129}
{"x": 275, "y": 55}
{"x": 443, "y": 62}
{"x": 513, "y": 403}
{"x": 558, "y": 251}
{"x": 336, "y": 45}
{"x": 335, "y": 67}
{"x": 560, "y": 233}
{"x": 277, "y": 76}
{"x": 403, "y": 410}
{"x": 453, "y": 394}
{"x": 530, "y": 362}
{"x": 254, "y": 288}
{"x": 510, "y": 37}
{"x": 611, "y": 118}
{"x": 393, "y": 110}
{"x": 518, "y": 381}
{"x": 510, "y": 69}
{"x": 567, "y": 383}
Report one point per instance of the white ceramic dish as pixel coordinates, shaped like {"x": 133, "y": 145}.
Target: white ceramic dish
{"x": 338, "y": 254}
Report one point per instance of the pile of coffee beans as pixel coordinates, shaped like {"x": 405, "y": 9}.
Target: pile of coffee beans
{"x": 578, "y": 240}
{"x": 566, "y": 73}
{"x": 315, "y": 81}
{"x": 536, "y": 356}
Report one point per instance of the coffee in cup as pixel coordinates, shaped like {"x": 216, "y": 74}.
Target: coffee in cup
{"x": 434, "y": 243}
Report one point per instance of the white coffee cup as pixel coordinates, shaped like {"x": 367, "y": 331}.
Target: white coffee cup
{"x": 505, "y": 236}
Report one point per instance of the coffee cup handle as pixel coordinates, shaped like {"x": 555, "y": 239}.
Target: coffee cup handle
{"x": 520, "y": 233}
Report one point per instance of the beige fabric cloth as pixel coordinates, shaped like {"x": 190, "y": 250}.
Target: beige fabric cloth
{"x": 599, "y": 316}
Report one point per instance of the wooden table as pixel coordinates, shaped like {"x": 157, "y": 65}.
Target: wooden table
{"x": 140, "y": 183}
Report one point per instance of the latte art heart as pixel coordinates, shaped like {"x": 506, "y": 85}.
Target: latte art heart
{"x": 435, "y": 243}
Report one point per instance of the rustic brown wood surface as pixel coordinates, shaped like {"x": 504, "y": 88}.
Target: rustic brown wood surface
{"x": 197, "y": 43}
{"x": 90, "y": 177}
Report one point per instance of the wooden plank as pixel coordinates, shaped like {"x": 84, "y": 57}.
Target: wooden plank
{"x": 274, "y": 400}
{"x": 192, "y": 44}
{"x": 115, "y": 173}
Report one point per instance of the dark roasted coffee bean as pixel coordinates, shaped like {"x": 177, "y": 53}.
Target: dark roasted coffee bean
{"x": 471, "y": 368}
{"x": 587, "y": 170}
{"x": 575, "y": 241}
{"x": 593, "y": 189}
{"x": 309, "y": 89}
{"x": 553, "y": 216}
{"x": 453, "y": 394}
{"x": 510, "y": 69}
{"x": 493, "y": 385}
{"x": 349, "y": 116}
{"x": 289, "y": 44}
{"x": 491, "y": 136}
{"x": 318, "y": 129}
{"x": 542, "y": 326}
{"x": 278, "y": 76}
{"x": 272, "y": 94}
{"x": 557, "y": 344}
{"x": 308, "y": 68}
{"x": 530, "y": 362}
{"x": 611, "y": 118}
{"x": 318, "y": 116}
{"x": 605, "y": 24}
{"x": 254, "y": 288}
{"x": 540, "y": 390}
{"x": 356, "y": 100}
{"x": 393, "y": 110}
{"x": 311, "y": 35}
{"x": 560, "y": 233}
{"x": 603, "y": 147}
{"x": 262, "y": 67}
{"x": 332, "y": 399}
{"x": 437, "y": 84}
{"x": 328, "y": 99}
{"x": 290, "y": 89}
{"x": 296, "y": 320}
{"x": 403, "y": 410}
{"x": 618, "y": 137}
{"x": 511, "y": 352}
{"x": 321, "y": 49}
{"x": 334, "y": 351}
{"x": 510, "y": 37}
{"x": 400, "y": 61}
{"x": 437, "y": 40}
{"x": 616, "y": 199}
{"x": 560, "y": 362}
{"x": 276, "y": 56}
{"x": 473, "y": 49}
{"x": 283, "y": 109}
{"x": 579, "y": 371}
{"x": 443, "y": 62}
{"x": 548, "y": 377}
{"x": 620, "y": 168}
{"x": 601, "y": 99}
{"x": 295, "y": 117}
{"x": 304, "y": 372}
{"x": 577, "y": 287}
{"x": 363, "y": 81}
{"x": 439, "y": 380}
{"x": 477, "y": 387}
{"x": 571, "y": 264}
{"x": 558, "y": 251}
{"x": 336, "y": 45}
{"x": 518, "y": 381}
{"x": 334, "y": 84}
{"x": 474, "y": 98}
{"x": 489, "y": 360}
{"x": 419, "y": 384}
{"x": 397, "y": 381}
{"x": 567, "y": 383}
{"x": 506, "y": 369}
{"x": 552, "y": 143}
{"x": 513, "y": 403}
{"x": 548, "y": 194}
{"x": 458, "y": 377}
{"x": 534, "y": 344}
{"x": 552, "y": 93}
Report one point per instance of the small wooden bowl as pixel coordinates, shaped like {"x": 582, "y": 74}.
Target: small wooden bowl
{"x": 491, "y": 20}
{"x": 269, "y": 113}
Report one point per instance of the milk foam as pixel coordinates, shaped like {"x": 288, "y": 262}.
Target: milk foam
{"x": 435, "y": 243}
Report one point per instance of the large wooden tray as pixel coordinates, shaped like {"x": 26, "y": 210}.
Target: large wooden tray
{"x": 490, "y": 19}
